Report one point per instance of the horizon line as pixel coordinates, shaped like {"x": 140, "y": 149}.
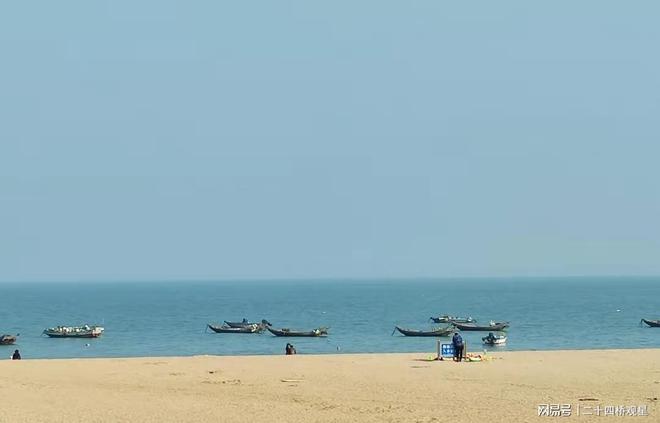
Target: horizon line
{"x": 328, "y": 279}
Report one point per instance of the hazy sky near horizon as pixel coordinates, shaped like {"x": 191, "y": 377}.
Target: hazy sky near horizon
{"x": 175, "y": 140}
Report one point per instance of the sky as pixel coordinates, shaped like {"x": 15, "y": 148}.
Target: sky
{"x": 180, "y": 140}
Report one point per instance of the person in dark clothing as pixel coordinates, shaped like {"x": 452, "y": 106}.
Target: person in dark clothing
{"x": 290, "y": 350}
{"x": 16, "y": 356}
{"x": 457, "y": 341}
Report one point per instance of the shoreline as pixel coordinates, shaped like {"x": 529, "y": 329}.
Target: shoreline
{"x": 322, "y": 354}
{"x": 508, "y": 387}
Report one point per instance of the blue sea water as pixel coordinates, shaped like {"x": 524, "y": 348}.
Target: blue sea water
{"x": 169, "y": 318}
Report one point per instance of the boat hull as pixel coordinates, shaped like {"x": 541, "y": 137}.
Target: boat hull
{"x": 450, "y": 319}
{"x": 7, "y": 339}
{"x": 289, "y": 333}
{"x": 263, "y": 323}
{"x": 239, "y": 324}
{"x": 471, "y": 327}
{"x": 72, "y": 335}
{"x": 432, "y": 333}
{"x": 652, "y": 323}
{"x": 74, "y": 332}
{"x": 227, "y": 329}
{"x": 494, "y": 342}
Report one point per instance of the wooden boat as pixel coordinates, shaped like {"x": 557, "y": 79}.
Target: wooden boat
{"x": 245, "y": 323}
{"x": 435, "y": 332}
{"x": 451, "y": 319}
{"x": 254, "y": 328}
{"x": 652, "y": 323}
{"x": 7, "y": 339}
{"x": 288, "y": 332}
{"x": 494, "y": 340}
{"x": 85, "y": 331}
{"x": 492, "y": 327}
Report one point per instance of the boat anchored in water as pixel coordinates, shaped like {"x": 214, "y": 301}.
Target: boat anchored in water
{"x": 84, "y": 331}
{"x": 322, "y": 331}
{"x": 246, "y": 323}
{"x": 7, "y": 339}
{"x": 253, "y": 328}
{"x": 445, "y": 318}
{"x": 491, "y": 339}
{"x": 651, "y": 323}
{"x": 438, "y": 332}
{"x": 492, "y": 326}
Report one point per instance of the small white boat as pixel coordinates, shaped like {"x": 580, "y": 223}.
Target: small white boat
{"x": 85, "y": 331}
{"x": 494, "y": 339}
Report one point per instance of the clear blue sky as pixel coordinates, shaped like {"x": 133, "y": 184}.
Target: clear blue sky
{"x": 212, "y": 139}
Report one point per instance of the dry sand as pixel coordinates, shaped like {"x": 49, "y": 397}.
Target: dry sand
{"x": 328, "y": 388}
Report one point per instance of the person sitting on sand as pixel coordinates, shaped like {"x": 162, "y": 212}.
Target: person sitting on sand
{"x": 457, "y": 341}
{"x": 16, "y": 355}
{"x": 290, "y": 350}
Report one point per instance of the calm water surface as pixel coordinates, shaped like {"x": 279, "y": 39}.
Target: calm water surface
{"x": 157, "y": 319}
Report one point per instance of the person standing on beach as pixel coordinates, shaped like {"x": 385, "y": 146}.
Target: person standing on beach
{"x": 457, "y": 341}
{"x": 16, "y": 355}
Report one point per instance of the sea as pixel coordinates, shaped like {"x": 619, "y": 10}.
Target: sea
{"x": 170, "y": 318}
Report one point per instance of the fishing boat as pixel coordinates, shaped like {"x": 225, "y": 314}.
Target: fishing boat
{"x": 492, "y": 327}
{"x": 84, "y": 331}
{"x": 246, "y": 323}
{"x": 494, "y": 340}
{"x": 322, "y": 331}
{"x": 434, "y": 332}
{"x": 7, "y": 339}
{"x": 254, "y": 328}
{"x": 652, "y": 323}
{"x": 445, "y": 318}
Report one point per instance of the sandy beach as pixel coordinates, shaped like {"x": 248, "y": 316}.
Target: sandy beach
{"x": 509, "y": 387}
